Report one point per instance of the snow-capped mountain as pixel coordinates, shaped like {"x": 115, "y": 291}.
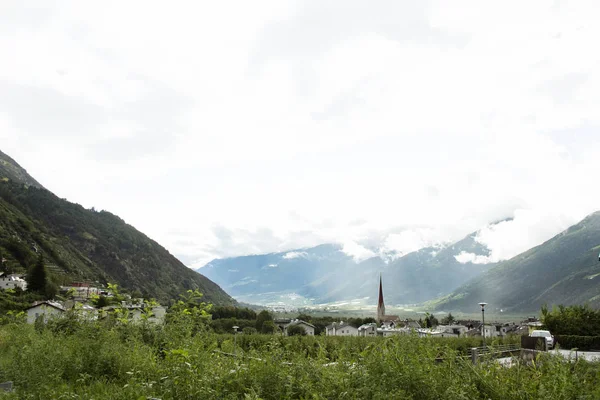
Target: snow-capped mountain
{"x": 326, "y": 273}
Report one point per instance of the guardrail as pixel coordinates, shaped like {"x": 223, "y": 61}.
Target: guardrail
{"x": 6, "y": 386}
{"x": 497, "y": 351}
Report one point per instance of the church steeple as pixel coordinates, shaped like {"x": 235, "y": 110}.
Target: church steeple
{"x": 380, "y": 304}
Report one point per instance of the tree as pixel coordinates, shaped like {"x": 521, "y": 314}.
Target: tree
{"x": 190, "y": 314}
{"x": 430, "y": 321}
{"x": 249, "y": 330}
{"x": 448, "y": 320}
{"x": 304, "y": 317}
{"x": 296, "y": 330}
{"x": 580, "y": 320}
{"x": 37, "y": 278}
{"x": 51, "y": 289}
{"x": 268, "y": 327}
{"x": 101, "y": 301}
{"x": 261, "y": 318}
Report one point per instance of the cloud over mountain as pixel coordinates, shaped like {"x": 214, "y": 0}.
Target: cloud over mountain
{"x": 396, "y": 124}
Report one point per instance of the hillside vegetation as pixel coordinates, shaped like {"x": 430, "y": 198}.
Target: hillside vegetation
{"x": 108, "y": 360}
{"x": 86, "y": 245}
{"x": 564, "y": 270}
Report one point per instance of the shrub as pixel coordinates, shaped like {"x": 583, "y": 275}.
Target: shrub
{"x": 578, "y": 342}
{"x": 295, "y": 330}
{"x": 100, "y": 360}
{"x": 572, "y": 320}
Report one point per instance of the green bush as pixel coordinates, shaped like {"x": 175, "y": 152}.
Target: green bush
{"x": 123, "y": 360}
{"x": 579, "y": 320}
{"x": 578, "y": 342}
{"x": 296, "y": 330}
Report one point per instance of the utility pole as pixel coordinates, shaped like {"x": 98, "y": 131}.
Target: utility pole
{"x": 235, "y": 328}
{"x": 483, "y": 321}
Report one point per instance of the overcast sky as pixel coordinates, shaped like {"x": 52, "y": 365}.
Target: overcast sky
{"x": 228, "y": 128}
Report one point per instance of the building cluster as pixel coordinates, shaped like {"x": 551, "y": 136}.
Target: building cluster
{"x": 83, "y": 291}
{"x": 12, "y": 282}
{"x": 80, "y": 295}
{"x": 48, "y": 309}
{"x": 388, "y": 325}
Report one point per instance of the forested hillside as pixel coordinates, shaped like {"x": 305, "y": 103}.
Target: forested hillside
{"x": 87, "y": 245}
{"x": 563, "y": 270}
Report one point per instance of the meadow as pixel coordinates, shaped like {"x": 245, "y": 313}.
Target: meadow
{"x": 113, "y": 359}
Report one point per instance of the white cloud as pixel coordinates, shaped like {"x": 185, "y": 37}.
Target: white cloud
{"x": 294, "y": 254}
{"x": 465, "y": 257}
{"x": 357, "y": 252}
{"x": 527, "y": 229}
{"x": 284, "y": 123}
{"x": 410, "y": 240}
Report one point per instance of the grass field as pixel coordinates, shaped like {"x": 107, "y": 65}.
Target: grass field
{"x": 111, "y": 360}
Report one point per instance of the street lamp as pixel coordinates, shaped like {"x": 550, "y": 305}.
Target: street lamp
{"x": 483, "y": 321}
{"x": 235, "y": 328}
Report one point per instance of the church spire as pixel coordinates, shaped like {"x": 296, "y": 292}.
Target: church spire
{"x": 380, "y": 304}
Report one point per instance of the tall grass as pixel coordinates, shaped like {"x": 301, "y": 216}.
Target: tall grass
{"x": 98, "y": 360}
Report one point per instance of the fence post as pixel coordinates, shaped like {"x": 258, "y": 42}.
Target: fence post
{"x": 474, "y": 355}
{"x": 6, "y": 386}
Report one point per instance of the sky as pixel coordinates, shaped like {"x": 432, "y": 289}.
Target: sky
{"x": 228, "y": 128}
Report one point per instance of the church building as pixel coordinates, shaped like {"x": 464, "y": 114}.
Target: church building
{"x": 382, "y": 318}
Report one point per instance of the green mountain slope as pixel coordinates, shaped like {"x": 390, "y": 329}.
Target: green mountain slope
{"x": 432, "y": 272}
{"x": 563, "y": 270}
{"x": 85, "y": 245}
{"x": 9, "y": 169}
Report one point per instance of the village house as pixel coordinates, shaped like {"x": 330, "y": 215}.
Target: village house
{"x": 412, "y": 324}
{"x": 383, "y": 331}
{"x": 136, "y": 312}
{"x": 368, "y": 329}
{"x": 284, "y": 323}
{"x": 12, "y": 281}
{"x": 82, "y": 310}
{"x": 308, "y": 328}
{"x": 534, "y": 325}
{"x": 388, "y": 324}
{"x": 81, "y": 290}
{"x": 490, "y": 331}
{"x": 386, "y": 329}
{"x": 341, "y": 329}
{"x": 452, "y": 330}
{"x": 521, "y": 330}
{"x": 44, "y": 310}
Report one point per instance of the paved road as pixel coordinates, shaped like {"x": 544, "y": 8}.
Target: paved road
{"x": 570, "y": 355}
{"x": 567, "y": 354}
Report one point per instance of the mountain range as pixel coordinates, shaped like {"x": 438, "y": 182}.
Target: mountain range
{"x": 97, "y": 246}
{"x": 327, "y": 274}
{"x": 86, "y": 245}
{"x": 563, "y": 270}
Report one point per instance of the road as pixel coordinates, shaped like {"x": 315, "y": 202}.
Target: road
{"x": 570, "y": 355}
{"x": 567, "y": 354}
